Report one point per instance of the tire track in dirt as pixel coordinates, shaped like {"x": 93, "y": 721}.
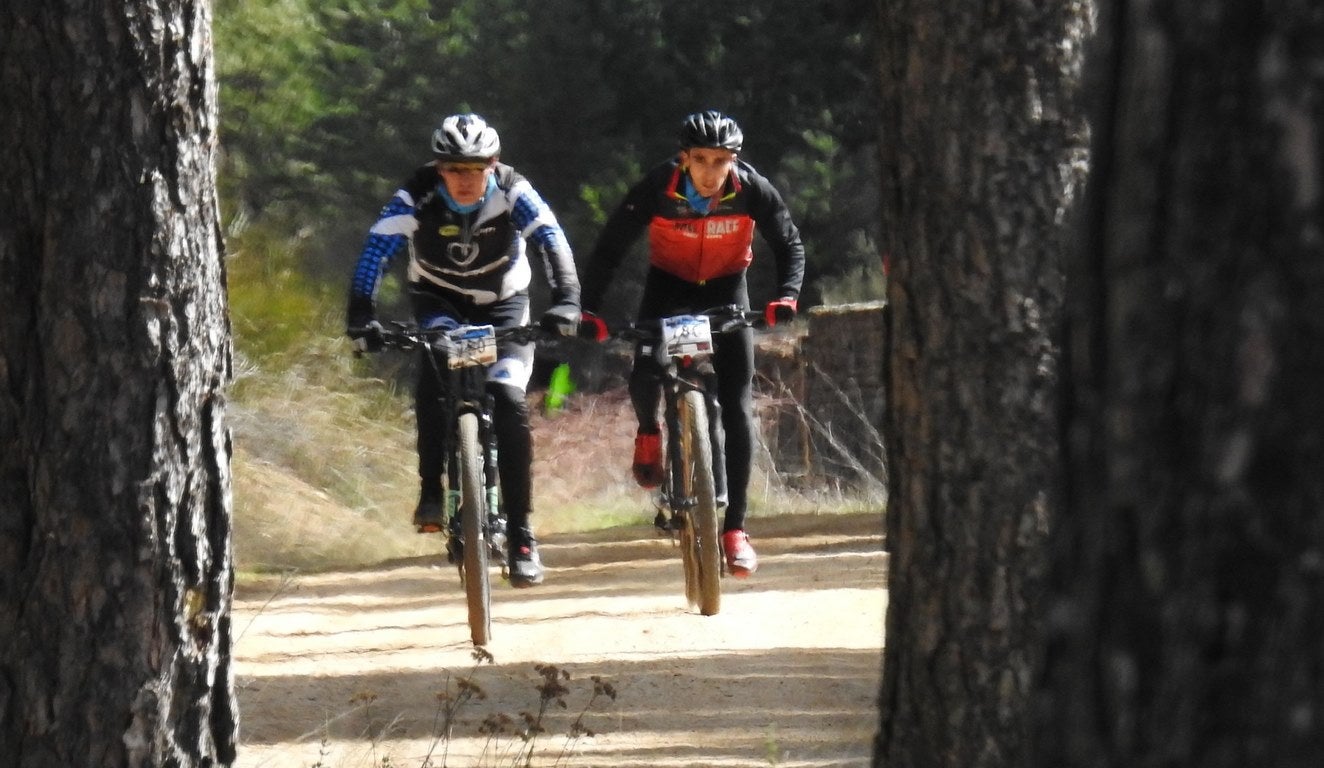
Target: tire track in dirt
{"x": 345, "y": 668}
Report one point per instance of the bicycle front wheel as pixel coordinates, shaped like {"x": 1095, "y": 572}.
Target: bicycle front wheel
{"x": 702, "y": 550}
{"x": 473, "y": 513}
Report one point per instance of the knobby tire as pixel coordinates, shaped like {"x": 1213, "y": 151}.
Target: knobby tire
{"x": 473, "y": 512}
{"x": 701, "y": 544}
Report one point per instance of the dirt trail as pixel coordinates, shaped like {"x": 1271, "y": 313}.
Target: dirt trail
{"x": 787, "y": 674}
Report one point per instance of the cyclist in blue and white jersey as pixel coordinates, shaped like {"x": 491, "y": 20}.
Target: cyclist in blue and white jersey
{"x": 469, "y": 223}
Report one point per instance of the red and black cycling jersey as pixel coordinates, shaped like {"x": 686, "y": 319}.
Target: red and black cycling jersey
{"x": 694, "y": 246}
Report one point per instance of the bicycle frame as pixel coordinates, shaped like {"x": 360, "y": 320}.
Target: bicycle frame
{"x": 464, "y": 391}
{"x": 677, "y": 379}
{"x": 460, "y": 358}
{"x": 695, "y": 477}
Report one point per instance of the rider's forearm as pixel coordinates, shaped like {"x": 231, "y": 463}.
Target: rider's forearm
{"x": 559, "y": 265}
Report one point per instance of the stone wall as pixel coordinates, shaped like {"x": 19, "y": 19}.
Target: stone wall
{"x": 818, "y": 393}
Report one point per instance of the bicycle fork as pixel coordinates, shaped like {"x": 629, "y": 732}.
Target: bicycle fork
{"x": 476, "y": 400}
{"x": 678, "y": 495}
{"x": 494, "y": 527}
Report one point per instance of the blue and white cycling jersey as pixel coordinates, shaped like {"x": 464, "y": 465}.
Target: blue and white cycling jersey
{"x": 480, "y": 254}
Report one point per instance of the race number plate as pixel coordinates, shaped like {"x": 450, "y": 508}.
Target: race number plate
{"x": 687, "y": 335}
{"x": 472, "y": 345}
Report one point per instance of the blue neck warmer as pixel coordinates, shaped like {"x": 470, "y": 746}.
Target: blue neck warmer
{"x": 698, "y": 202}
{"x": 454, "y": 206}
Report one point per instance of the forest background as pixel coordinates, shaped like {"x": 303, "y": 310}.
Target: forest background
{"x": 325, "y": 109}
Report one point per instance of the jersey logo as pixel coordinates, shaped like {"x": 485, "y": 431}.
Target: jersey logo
{"x": 462, "y": 254}
{"x": 722, "y": 227}
{"x": 449, "y": 230}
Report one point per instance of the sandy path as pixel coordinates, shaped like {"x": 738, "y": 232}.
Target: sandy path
{"x": 787, "y": 674}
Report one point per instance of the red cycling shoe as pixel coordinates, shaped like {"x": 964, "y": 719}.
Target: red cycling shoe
{"x": 647, "y": 467}
{"x": 740, "y": 558}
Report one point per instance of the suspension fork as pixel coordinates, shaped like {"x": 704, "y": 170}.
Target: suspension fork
{"x": 487, "y": 436}
{"x": 677, "y": 383}
{"x": 466, "y": 393}
{"x": 478, "y": 400}
{"x": 676, "y": 498}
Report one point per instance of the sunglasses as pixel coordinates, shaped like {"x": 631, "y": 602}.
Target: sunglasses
{"x": 462, "y": 168}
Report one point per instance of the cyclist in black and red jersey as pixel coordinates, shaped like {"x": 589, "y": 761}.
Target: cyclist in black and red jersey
{"x": 701, "y": 209}
{"x": 464, "y": 219}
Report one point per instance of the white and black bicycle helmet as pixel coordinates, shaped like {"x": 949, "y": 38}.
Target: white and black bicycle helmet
{"x": 711, "y": 129}
{"x": 465, "y": 137}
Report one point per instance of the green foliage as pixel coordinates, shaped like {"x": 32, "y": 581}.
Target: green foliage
{"x": 275, "y": 308}
{"x": 326, "y": 107}
{"x": 835, "y": 202}
{"x": 269, "y": 94}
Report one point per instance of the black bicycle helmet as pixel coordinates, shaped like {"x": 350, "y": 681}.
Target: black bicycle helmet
{"x": 711, "y": 129}
{"x": 465, "y": 137}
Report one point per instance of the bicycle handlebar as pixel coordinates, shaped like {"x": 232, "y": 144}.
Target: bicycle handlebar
{"x": 724, "y": 319}
{"x": 407, "y": 336}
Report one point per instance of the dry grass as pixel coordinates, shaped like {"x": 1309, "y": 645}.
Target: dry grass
{"x": 323, "y": 475}
{"x": 327, "y": 478}
{"x": 581, "y": 465}
{"x": 325, "y": 470}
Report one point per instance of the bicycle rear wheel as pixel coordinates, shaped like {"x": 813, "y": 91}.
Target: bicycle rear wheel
{"x": 701, "y": 550}
{"x": 473, "y": 512}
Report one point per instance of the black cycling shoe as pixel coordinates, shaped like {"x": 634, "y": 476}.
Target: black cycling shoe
{"x": 525, "y": 565}
{"x": 428, "y": 517}
{"x": 496, "y": 534}
{"x": 454, "y": 543}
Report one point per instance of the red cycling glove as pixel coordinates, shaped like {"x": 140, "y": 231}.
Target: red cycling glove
{"x": 780, "y": 311}
{"x": 592, "y": 327}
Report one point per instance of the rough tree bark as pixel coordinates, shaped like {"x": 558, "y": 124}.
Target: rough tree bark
{"x": 1188, "y": 576}
{"x": 982, "y": 153}
{"x": 115, "y": 561}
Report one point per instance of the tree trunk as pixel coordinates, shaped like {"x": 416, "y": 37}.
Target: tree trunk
{"x": 115, "y": 560}
{"x": 982, "y": 153}
{"x": 1188, "y": 578}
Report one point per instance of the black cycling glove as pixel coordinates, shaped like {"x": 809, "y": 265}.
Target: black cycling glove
{"x": 561, "y": 319}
